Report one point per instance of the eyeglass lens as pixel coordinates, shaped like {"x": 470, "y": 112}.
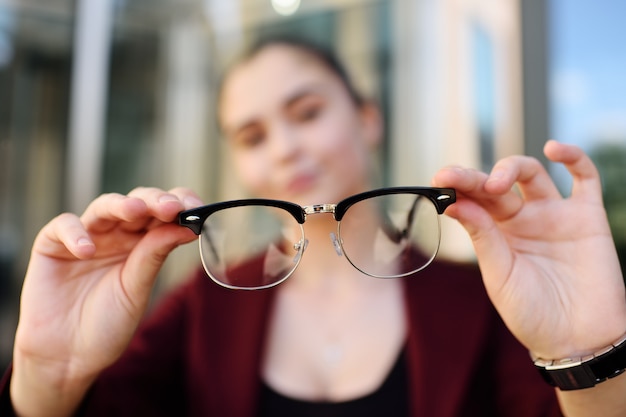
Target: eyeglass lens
{"x": 256, "y": 247}
{"x": 390, "y": 235}
{"x": 251, "y": 246}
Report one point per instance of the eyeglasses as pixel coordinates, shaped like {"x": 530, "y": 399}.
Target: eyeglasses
{"x": 258, "y": 243}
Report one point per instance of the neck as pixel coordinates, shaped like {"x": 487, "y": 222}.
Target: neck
{"x": 322, "y": 269}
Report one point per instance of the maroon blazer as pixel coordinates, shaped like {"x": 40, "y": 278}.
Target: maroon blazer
{"x": 198, "y": 354}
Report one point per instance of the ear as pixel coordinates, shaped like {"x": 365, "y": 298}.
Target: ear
{"x": 372, "y": 122}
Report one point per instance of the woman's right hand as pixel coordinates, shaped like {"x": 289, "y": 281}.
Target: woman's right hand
{"x": 87, "y": 286}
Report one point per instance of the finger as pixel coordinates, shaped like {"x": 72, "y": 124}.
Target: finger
{"x": 528, "y": 173}
{"x": 490, "y": 244}
{"x": 466, "y": 180}
{"x": 189, "y": 198}
{"x": 163, "y": 205}
{"x": 64, "y": 233}
{"x": 470, "y": 184}
{"x": 586, "y": 179}
{"x": 108, "y": 210}
{"x": 473, "y": 217}
{"x": 147, "y": 258}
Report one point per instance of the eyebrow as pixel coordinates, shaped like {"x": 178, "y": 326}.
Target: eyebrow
{"x": 300, "y": 93}
{"x": 294, "y": 97}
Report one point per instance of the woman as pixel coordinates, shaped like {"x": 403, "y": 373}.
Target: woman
{"x": 327, "y": 340}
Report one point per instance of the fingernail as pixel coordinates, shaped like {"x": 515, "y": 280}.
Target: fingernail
{"x": 192, "y": 202}
{"x": 495, "y": 176}
{"x": 83, "y": 241}
{"x": 166, "y": 198}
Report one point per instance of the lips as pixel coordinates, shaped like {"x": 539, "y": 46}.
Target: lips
{"x": 301, "y": 183}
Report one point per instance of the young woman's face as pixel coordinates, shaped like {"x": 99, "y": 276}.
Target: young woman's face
{"x": 294, "y": 131}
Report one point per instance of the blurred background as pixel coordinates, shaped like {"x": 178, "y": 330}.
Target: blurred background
{"x": 106, "y": 95}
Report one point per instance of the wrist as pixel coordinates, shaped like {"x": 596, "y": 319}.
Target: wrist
{"x": 606, "y": 399}
{"x": 38, "y": 388}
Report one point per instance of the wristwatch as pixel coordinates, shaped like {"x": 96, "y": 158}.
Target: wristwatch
{"x": 587, "y": 371}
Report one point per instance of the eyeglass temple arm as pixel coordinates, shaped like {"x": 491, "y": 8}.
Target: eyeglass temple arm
{"x": 212, "y": 246}
{"x": 395, "y": 234}
{"x": 442, "y": 202}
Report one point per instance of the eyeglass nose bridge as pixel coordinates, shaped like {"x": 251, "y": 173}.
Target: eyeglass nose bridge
{"x": 320, "y": 208}
{"x": 326, "y": 208}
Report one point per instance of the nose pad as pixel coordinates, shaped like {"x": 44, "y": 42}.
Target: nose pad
{"x": 336, "y": 244}
{"x": 301, "y": 244}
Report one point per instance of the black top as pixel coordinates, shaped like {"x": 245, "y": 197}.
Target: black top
{"x": 390, "y": 399}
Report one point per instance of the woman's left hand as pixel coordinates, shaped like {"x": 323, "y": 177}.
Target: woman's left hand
{"x": 549, "y": 263}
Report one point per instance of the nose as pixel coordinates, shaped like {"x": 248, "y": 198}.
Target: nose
{"x": 284, "y": 142}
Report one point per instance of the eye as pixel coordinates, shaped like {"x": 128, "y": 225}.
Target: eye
{"x": 249, "y": 137}
{"x": 308, "y": 113}
{"x": 306, "y": 109}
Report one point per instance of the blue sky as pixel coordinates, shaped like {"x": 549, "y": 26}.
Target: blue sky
{"x": 588, "y": 70}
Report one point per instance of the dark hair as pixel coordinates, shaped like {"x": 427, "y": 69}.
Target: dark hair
{"x": 324, "y": 55}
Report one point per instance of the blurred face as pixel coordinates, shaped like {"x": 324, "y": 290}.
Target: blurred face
{"x": 294, "y": 131}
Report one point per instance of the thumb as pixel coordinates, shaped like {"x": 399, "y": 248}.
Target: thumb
{"x": 490, "y": 245}
{"x": 143, "y": 264}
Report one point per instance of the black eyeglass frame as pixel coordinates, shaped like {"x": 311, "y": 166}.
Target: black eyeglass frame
{"x": 194, "y": 218}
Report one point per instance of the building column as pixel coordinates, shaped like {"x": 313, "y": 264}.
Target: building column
{"x": 88, "y": 100}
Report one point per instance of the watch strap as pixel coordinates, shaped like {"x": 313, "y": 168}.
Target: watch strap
{"x": 587, "y": 371}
